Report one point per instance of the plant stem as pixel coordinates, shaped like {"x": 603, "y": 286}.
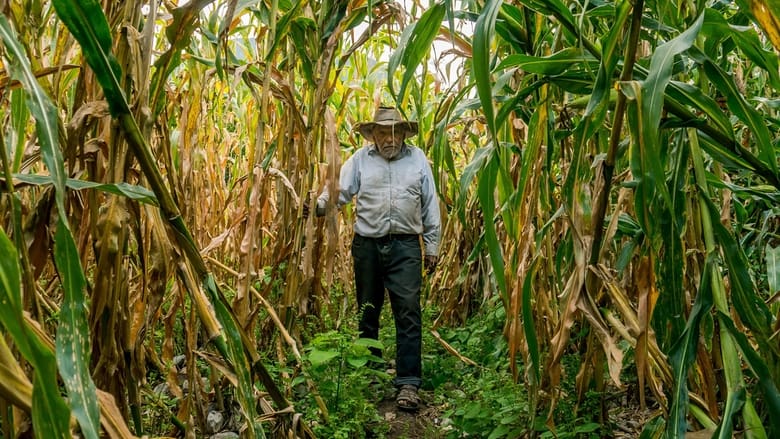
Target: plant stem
{"x": 608, "y": 166}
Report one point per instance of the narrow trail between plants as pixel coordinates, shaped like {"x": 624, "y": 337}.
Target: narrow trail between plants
{"x": 424, "y": 423}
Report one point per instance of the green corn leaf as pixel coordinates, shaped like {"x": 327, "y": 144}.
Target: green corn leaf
{"x": 234, "y": 351}
{"x": 483, "y": 35}
{"x": 528, "y": 322}
{"x": 660, "y": 71}
{"x": 724, "y": 155}
{"x": 764, "y": 192}
{"x": 671, "y": 302}
{"x": 760, "y": 371}
{"x": 51, "y": 416}
{"x": 73, "y": 342}
{"x": 609, "y": 60}
{"x": 486, "y": 187}
{"x": 481, "y": 158}
{"x": 11, "y": 290}
{"x": 49, "y": 412}
{"x": 87, "y": 22}
{"x": 749, "y": 306}
{"x": 652, "y": 429}
{"x": 754, "y": 425}
{"x": 554, "y": 64}
{"x": 736, "y": 102}
{"x": 553, "y": 8}
{"x": 134, "y": 192}
{"x": 683, "y": 354}
{"x": 414, "y": 45}
{"x": 42, "y": 110}
{"x": 653, "y": 92}
{"x": 644, "y": 189}
{"x": 772, "y": 258}
{"x": 450, "y": 15}
{"x": 19, "y": 117}
{"x": 510, "y": 27}
{"x": 75, "y": 371}
{"x": 693, "y": 97}
{"x": 734, "y": 402}
{"x": 717, "y": 29}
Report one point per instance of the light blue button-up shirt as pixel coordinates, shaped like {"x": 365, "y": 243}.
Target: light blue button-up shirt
{"x": 395, "y": 196}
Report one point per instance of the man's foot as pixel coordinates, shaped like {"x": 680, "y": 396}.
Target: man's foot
{"x": 407, "y": 398}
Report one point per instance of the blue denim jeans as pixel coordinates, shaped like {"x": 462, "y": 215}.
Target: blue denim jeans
{"x": 393, "y": 263}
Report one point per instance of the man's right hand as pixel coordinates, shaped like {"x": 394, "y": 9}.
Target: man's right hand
{"x": 430, "y": 262}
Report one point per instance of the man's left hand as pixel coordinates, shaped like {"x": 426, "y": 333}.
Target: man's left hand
{"x": 430, "y": 262}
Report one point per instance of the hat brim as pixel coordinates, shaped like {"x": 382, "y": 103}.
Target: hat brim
{"x": 366, "y": 129}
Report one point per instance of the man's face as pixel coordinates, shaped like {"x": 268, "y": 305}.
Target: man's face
{"x": 388, "y": 141}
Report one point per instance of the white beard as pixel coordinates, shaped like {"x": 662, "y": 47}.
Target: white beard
{"x": 389, "y": 152}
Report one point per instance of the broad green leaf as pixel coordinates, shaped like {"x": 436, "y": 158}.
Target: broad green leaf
{"x": 234, "y": 352}
{"x": 754, "y": 425}
{"x": 19, "y": 117}
{"x": 760, "y": 192}
{"x": 653, "y": 93}
{"x": 683, "y": 354}
{"x": 369, "y": 343}
{"x": 746, "y": 38}
{"x": 554, "y": 64}
{"x": 751, "y": 309}
{"x": 11, "y": 295}
{"x": 480, "y": 160}
{"x": 51, "y": 416}
{"x": 486, "y": 186}
{"x": 88, "y": 24}
{"x": 772, "y": 258}
{"x": 528, "y": 322}
{"x": 694, "y": 97}
{"x": 510, "y": 27}
{"x": 73, "y": 341}
{"x": 555, "y": 8}
{"x": 609, "y": 60}
{"x": 318, "y": 356}
{"x": 660, "y": 72}
{"x": 414, "y": 45}
{"x": 357, "y": 363}
{"x": 482, "y": 55}
{"x": 671, "y": 262}
{"x": 42, "y": 109}
{"x": 742, "y": 109}
{"x": 134, "y": 192}
{"x": 72, "y": 324}
{"x": 734, "y": 403}
{"x": 760, "y": 372}
{"x": 652, "y": 429}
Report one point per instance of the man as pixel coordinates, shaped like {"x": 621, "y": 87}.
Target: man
{"x": 396, "y": 203}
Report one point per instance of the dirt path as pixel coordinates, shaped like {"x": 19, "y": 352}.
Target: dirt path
{"x": 405, "y": 425}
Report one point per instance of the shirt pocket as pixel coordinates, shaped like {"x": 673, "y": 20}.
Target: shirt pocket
{"x": 409, "y": 192}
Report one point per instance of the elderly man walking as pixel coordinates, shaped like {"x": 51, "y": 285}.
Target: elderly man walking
{"x": 396, "y": 204}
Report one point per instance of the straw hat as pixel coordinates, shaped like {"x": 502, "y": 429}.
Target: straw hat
{"x": 387, "y": 116}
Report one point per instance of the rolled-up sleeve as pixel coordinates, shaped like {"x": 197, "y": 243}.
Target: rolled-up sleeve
{"x": 349, "y": 184}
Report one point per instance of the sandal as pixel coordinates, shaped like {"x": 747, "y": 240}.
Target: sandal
{"x": 407, "y": 398}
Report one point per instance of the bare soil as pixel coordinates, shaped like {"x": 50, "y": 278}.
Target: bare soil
{"x": 424, "y": 423}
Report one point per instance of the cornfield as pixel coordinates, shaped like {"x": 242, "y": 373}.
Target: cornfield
{"x": 608, "y": 167}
